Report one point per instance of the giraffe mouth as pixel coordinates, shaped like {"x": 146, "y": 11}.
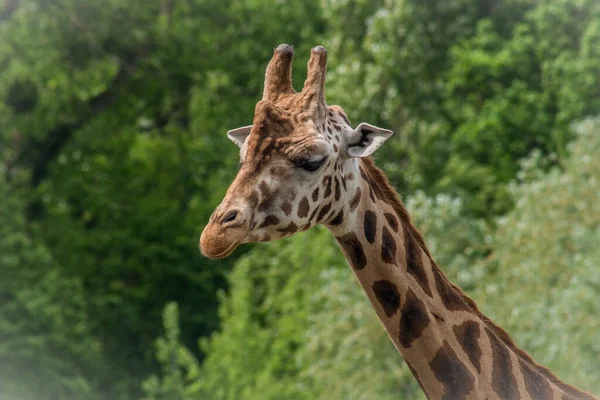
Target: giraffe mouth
{"x": 216, "y": 245}
{"x": 222, "y": 254}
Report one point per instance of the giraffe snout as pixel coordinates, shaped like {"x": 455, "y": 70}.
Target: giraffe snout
{"x": 224, "y": 232}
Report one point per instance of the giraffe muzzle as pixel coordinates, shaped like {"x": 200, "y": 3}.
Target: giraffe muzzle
{"x": 223, "y": 234}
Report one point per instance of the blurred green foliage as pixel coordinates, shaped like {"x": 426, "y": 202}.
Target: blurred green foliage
{"x": 546, "y": 256}
{"x": 113, "y": 155}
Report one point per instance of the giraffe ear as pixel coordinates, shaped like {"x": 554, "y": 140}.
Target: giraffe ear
{"x": 239, "y": 135}
{"x": 365, "y": 139}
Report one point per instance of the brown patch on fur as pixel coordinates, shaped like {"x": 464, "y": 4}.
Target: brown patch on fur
{"x": 452, "y": 300}
{"x": 370, "y": 226}
{"x": 291, "y": 228}
{"x": 456, "y": 378}
{"x": 344, "y": 117}
{"x": 353, "y": 249}
{"x": 286, "y": 207}
{"x": 313, "y": 214}
{"x": 327, "y": 187}
{"x": 269, "y": 220}
{"x": 388, "y": 247}
{"x": 338, "y": 192}
{"x": 504, "y": 382}
{"x": 537, "y": 387}
{"x": 392, "y": 221}
{"x": 303, "y": 208}
{"x": 355, "y": 200}
{"x": 323, "y": 211}
{"x": 413, "y": 319}
{"x": 414, "y": 263}
{"x": 467, "y": 334}
{"x": 253, "y": 199}
{"x": 265, "y": 191}
{"x": 388, "y": 296}
{"x": 338, "y": 219}
{"x": 266, "y": 204}
{"x": 315, "y": 194}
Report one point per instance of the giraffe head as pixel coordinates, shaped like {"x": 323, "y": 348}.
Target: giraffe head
{"x": 298, "y": 161}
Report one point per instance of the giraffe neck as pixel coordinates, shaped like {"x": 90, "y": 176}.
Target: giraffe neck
{"x": 453, "y": 350}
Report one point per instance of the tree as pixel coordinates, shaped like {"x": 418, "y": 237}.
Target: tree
{"x": 471, "y": 88}
{"x": 265, "y": 320}
{"x": 542, "y": 280}
{"x": 119, "y": 113}
{"x": 47, "y": 349}
{"x": 179, "y": 367}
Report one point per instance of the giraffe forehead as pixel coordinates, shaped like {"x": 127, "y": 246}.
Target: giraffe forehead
{"x": 297, "y": 145}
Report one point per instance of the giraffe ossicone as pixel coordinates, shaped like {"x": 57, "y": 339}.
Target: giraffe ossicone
{"x": 303, "y": 164}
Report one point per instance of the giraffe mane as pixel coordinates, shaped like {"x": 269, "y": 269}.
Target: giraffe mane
{"x": 380, "y": 183}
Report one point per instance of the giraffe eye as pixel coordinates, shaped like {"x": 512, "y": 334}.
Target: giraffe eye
{"x": 311, "y": 166}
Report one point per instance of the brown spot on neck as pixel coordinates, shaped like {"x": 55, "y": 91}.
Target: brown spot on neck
{"x": 467, "y": 334}
{"x": 537, "y": 386}
{"x": 413, "y": 319}
{"x": 323, "y": 212}
{"x": 338, "y": 220}
{"x": 388, "y": 247}
{"x": 353, "y": 250}
{"x": 355, "y": 199}
{"x": 388, "y": 296}
{"x": 370, "y": 226}
{"x": 392, "y": 221}
{"x": 456, "y": 378}
{"x": 414, "y": 262}
{"x": 504, "y": 382}
{"x": 313, "y": 214}
{"x": 449, "y": 294}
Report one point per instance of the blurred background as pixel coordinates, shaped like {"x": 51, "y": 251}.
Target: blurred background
{"x": 113, "y": 154}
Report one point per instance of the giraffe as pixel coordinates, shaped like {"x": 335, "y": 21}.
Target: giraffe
{"x": 303, "y": 164}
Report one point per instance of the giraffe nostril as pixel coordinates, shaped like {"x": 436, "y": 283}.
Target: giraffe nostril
{"x": 229, "y": 217}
